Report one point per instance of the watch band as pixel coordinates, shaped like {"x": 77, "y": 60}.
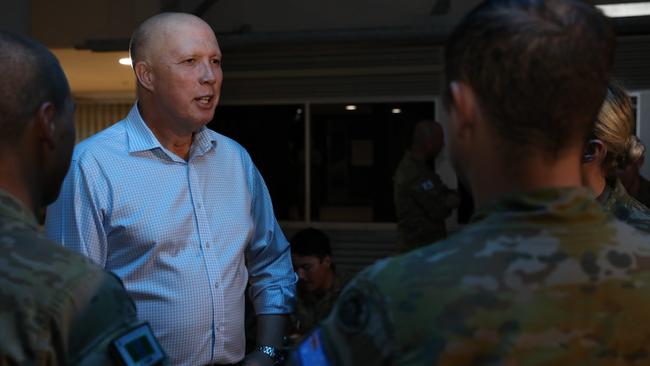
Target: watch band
{"x": 272, "y": 352}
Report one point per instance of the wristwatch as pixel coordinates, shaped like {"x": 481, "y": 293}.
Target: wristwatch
{"x": 273, "y": 353}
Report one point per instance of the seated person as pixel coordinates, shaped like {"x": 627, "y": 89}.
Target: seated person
{"x": 319, "y": 284}
{"x": 610, "y": 147}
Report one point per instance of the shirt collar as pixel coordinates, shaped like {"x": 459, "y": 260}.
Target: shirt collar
{"x": 141, "y": 138}
{"x": 12, "y": 207}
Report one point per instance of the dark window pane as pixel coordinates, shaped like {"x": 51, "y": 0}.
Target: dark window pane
{"x": 355, "y": 151}
{"x": 274, "y": 137}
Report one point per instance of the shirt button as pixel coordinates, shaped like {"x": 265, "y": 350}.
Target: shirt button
{"x": 216, "y": 285}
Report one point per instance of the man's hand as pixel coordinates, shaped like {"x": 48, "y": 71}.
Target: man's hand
{"x": 270, "y": 332}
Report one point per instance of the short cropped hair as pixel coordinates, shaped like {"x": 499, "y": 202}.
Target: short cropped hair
{"x": 311, "y": 241}
{"x": 31, "y": 77}
{"x": 539, "y": 68}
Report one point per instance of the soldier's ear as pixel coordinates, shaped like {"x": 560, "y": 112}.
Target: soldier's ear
{"x": 45, "y": 122}
{"x": 327, "y": 261}
{"x": 595, "y": 152}
{"x": 465, "y": 107}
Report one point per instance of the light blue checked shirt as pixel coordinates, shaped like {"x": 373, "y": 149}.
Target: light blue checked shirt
{"x": 180, "y": 234}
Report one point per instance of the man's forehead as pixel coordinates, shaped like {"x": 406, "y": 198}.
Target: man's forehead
{"x": 179, "y": 35}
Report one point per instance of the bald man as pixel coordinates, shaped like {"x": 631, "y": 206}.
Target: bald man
{"x": 422, "y": 200}
{"x": 179, "y": 212}
{"x": 56, "y": 307}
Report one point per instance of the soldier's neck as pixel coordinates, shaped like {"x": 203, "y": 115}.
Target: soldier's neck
{"x": 491, "y": 181}
{"x": 16, "y": 180}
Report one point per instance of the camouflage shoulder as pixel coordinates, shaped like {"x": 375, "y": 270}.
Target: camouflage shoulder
{"x": 358, "y": 331}
{"x": 107, "y": 312}
{"x": 628, "y": 209}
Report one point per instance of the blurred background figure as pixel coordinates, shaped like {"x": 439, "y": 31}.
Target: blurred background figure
{"x": 630, "y": 175}
{"x": 319, "y": 284}
{"x": 422, "y": 200}
{"x": 611, "y": 147}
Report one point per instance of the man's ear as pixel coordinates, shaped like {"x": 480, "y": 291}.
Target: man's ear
{"x": 46, "y": 124}
{"x": 144, "y": 74}
{"x": 327, "y": 261}
{"x": 465, "y": 106}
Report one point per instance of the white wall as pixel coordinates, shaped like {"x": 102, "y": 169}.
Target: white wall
{"x": 643, "y": 127}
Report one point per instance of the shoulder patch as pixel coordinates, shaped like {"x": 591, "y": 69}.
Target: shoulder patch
{"x": 310, "y": 352}
{"x": 138, "y": 347}
{"x": 426, "y": 185}
{"x": 353, "y": 311}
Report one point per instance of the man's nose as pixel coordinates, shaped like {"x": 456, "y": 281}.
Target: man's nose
{"x": 208, "y": 74}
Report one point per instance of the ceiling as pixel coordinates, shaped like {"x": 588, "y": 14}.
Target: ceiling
{"x": 97, "y": 75}
{"x": 68, "y": 25}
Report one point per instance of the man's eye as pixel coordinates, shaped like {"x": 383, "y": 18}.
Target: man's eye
{"x": 189, "y": 61}
{"x": 216, "y": 62}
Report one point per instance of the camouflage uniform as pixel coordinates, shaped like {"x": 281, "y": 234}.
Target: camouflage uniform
{"x": 544, "y": 278}
{"x": 643, "y": 195}
{"x": 422, "y": 203}
{"x": 619, "y": 203}
{"x": 56, "y": 307}
{"x": 311, "y": 309}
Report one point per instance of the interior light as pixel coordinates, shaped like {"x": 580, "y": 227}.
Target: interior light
{"x": 351, "y": 107}
{"x": 125, "y": 61}
{"x": 396, "y": 111}
{"x": 626, "y": 9}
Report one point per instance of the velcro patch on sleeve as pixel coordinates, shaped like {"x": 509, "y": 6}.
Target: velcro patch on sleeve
{"x": 138, "y": 347}
{"x": 311, "y": 352}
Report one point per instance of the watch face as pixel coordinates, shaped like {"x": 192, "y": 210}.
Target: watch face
{"x": 272, "y": 352}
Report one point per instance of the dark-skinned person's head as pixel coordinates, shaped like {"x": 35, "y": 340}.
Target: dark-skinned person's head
{"x": 37, "y": 131}
{"x": 311, "y": 255}
{"x": 525, "y": 80}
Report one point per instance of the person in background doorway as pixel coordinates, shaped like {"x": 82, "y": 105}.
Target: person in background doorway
{"x": 611, "y": 147}
{"x": 179, "y": 212}
{"x": 422, "y": 200}
{"x": 56, "y": 306}
{"x": 319, "y": 283}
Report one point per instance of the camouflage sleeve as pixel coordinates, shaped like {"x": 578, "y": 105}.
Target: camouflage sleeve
{"x": 357, "y": 332}
{"x": 102, "y": 312}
